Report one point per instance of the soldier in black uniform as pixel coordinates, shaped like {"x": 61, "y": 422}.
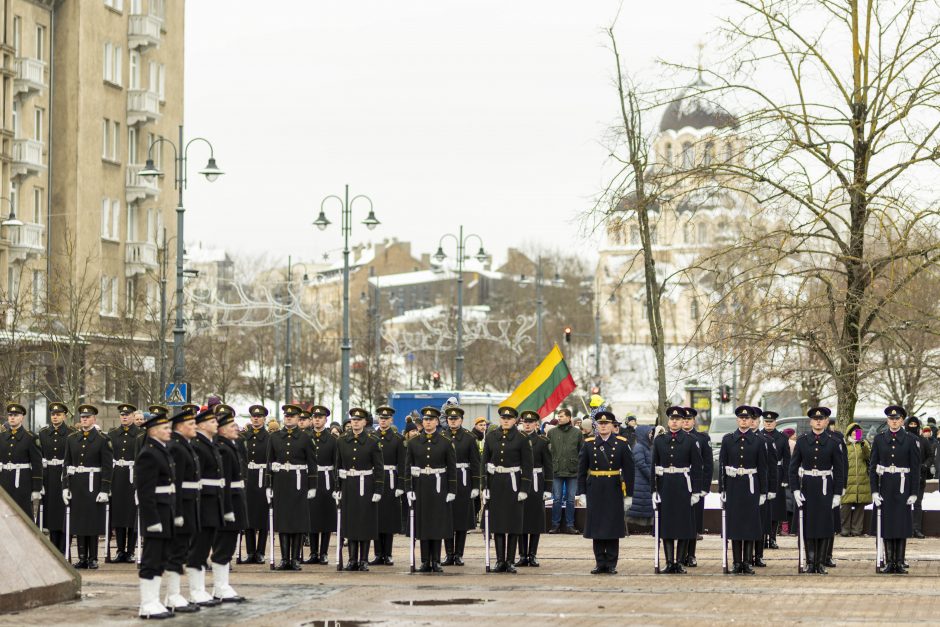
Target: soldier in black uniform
{"x": 155, "y": 485}
{"x": 467, "y": 456}
{"x": 533, "y": 515}
{"x": 52, "y": 447}
{"x": 322, "y": 506}
{"x": 235, "y": 514}
{"x": 766, "y": 510}
{"x": 778, "y": 505}
{"x": 815, "y": 471}
{"x": 742, "y": 482}
{"x": 507, "y": 482}
{"x": 211, "y": 484}
{"x": 703, "y": 442}
{"x": 361, "y": 481}
{"x": 677, "y": 488}
{"x": 892, "y": 472}
{"x": 389, "y": 508}
{"x": 913, "y": 426}
{"x": 291, "y": 482}
{"x": 605, "y": 477}
{"x": 431, "y": 484}
{"x": 255, "y": 439}
{"x": 124, "y": 440}
{"x": 839, "y": 438}
{"x": 186, "y": 521}
{"x": 20, "y": 461}
{"x": 86, "y": 484}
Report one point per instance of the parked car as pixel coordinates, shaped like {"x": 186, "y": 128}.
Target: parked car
{"x": 871, "y": 425}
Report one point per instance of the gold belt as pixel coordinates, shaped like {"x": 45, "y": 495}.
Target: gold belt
{"x": 603, "y": 473}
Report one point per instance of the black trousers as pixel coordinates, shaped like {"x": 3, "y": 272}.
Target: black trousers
{"x": 125, "y": 539}
{"x": 87, "y": 547}
{"x": 256, "y": 541}
{"x": 607, "y": 552}
{"x": 153, "y": 557}
{"x": 919, "y": 507}
{"x": 223, "y": 547}
{"x": 199, "y": 551}
{"x": 57, "y": 538}
{"x": 430, "y": 551}
{"x": 383, "y": 544}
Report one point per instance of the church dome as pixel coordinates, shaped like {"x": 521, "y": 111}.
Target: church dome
{"x": 697, "y": 110}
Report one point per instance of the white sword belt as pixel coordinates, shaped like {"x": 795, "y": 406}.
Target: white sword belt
{"x": 416, "y": 471}
{"x": 91, "y": 470}
{"x": 464, "y": 468}
{"x": 893, "y": 470}
{"x": 734, "y": 471}
{"x": 362, "y": 474}
{"x": 391, "y": 469}
{"x": 278, "y": 467}
{"x": 165, "y": 489}
{"x": 678, "y": 470}
{"x": 126, "y": 463}
{"x": 535, "y": 478}
{"x": 190, "y": 485}
{"x": 505, "y": 470}
{"x": 805, "y": 472}
{"x": 237, "y": 484}
{"x": 52, "y": 462}
{"x": 17, "y": 468}
{"x": 326, "y": 470}
{"x": 260, "y": 468}
{"x": 212, "y": 483}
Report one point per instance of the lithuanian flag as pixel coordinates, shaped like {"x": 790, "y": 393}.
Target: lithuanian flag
{"x": 546, "y": 387}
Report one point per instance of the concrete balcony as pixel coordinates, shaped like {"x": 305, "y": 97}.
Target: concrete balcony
{"x": 27, "y": 157}
{"x": 142, "y": 106}
{"x": 140, "y": 258}
{"x": 26, "y": 241}
{"x": 30, "y": 75}
{"x": 140, "y": 187}
{"x": 143, "y": 31}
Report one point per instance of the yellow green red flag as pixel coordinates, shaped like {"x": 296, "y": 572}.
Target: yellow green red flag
{"x": 546, "y": 387}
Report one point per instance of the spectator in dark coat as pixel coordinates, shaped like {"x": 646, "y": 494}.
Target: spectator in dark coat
{"x": 641, "y": 511}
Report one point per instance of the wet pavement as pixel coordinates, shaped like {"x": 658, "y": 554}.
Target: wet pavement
{"x": 562, "y": 590}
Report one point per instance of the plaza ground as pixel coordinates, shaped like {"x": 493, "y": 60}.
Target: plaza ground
{"x": 561, "y": 591}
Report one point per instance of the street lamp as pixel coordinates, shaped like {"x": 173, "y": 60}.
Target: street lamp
{"x": 11, "y": 220}
{"x": 589, "y": 296}
{"x": 212, "y": 172}
{"x": 290, "y": 314}
{"x": 321, "y": 223}
{"x": 461, "y": 242}
{"x": 556, "y": 281}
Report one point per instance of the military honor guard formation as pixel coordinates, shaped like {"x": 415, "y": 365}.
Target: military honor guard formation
{"x": 187, "y": 491}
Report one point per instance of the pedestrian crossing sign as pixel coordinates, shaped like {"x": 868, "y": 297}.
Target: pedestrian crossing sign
{"x": 176, "y": 394}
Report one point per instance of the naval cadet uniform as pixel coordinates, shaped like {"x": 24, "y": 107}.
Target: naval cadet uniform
{"x": 256, "y": 451}
{"x": 533, "y": 510}
{"x": 124, "y": 441}
{"x": 235, "y": 514}
{"x": 389, "y": 508}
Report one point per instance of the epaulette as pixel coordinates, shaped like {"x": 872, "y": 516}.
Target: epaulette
{"x": 590, "y": 439}
{"x": 46, "y": 428}
{"x": 622, "y": 439}
{"x": 446, "y": 436}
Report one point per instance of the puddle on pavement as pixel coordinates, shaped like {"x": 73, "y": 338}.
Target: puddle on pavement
{"x": 426, "y": 602}
{"x": 336, "y": 623}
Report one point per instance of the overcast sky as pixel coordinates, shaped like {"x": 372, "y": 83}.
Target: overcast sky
{"x": 489, "y": 114}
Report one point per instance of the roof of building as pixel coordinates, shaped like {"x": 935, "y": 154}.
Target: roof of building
{"x": 695, "y": 107}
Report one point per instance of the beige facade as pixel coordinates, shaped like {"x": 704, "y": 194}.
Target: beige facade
{"x": 88, "y": 86}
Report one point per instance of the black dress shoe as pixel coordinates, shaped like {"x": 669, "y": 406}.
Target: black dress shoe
{"x": 130, "y": 558}
{"x": 746, "y": 569}
{"x": 257, "y": 558}
{"x": 93, "y": 564}
{"x": 919, "y": 534}
{"x": 283, "y": 565}
{"x": 458, "y": 560}
{"x": 500, "y": 567}
{"x": 323, "y": 559}
{"x": 424, "y": 568}
{"x": 611, "y": 570}
{"x": 351, "y": 566}
{"x": 599, "y": 570}
{"x": 523, "y": 561}
{"x": 234, "y": 599}
{"x": 210, "y": 603}
{"x": 533, "y": 563}
{"x": 698, "y": 536}
{"x": 81, "y": 564}
{"x": 828, "y": 562}
{"x": 387, "y": 560}
{"x": 363, "y": 567}
{"x": 572, "y": 531}
{"x": 313, "y": 559}
{"x": 295, "y": 565}
{"x": 759, "y": 562}
{"x": 510, "y": 568}
{"x": 555, "y": 530}
{"x": 189, "y": 608}
{"x": 820, "y": 570}
{"x": 448, "y": 561}
{"x": 378, "y": 561}
{"x": 691, "y": 562}
{"x": 679, "y": 569}
{"x": 436, "y": 567}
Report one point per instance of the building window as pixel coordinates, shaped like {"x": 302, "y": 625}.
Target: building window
{"x": 17, "y": 35}
{"x": 130, "y": 298}
{"x": 134, "y": 70}
{"x": 729, "y": 151}
{"x": 38, "y": 291}
{"x": 702, "y": 233}
{"x": 137, "y": 7}
{"x": 116, "y": 141}
{"x": 634, "y": 236}
{"x": 14, "y": 196}
{"x": 13, "y": 281}
{"x": 40, "y": 43}
{"x": 16, "y": 118}
{"x": 687, "y": 155}
{"x": 151, "y": 226}
{"x": 693, "y": 309}
{"x": 117, "y": 5}
{"x": 131, "y": 223}
{"x": 37, "y": 123}
{"x": 105, "y": 138}
{"x": 132, "y": 144}
{"x": 111, "y": 140}
{"x": 667, "y": 154}
{"x": 108, "y": 295}
{"x": 161, "y": 82}
{"x": 37, "y": 205}
{"x": 688, "y": 233}
{"x": 110, "y": 218}
{"x": 158, "y": 8}
{"x": 112, "y": 63}
{"x": 709, "y": 155}
{"x": 154, "y": 77}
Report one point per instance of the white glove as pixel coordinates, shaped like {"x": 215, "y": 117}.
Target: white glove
{"x": 836, "y": 500}
{"x": 695, "y": 498}
{"x": 546, "y": 496}
{"x": 66, "y": 496}
{"x": 101, "y": 498}
{"x": 522, "y": 496}
{"x": 702, "y": 493}
{"x": 42, "y": 492}
{"x": 799, "y": 498}
{"x": 581, "y": 500}
{"x": 450, "y": 497}
{"x": 876, "y": 499}
{"x": 474, "y": 493}
{"x": 269, "y": 494}
{"x": 656, "y": 498}
{"x": 35, "y": 496}
{"x": 724, "y": 497}
{"x": 312, "y": 493}
{"x": 157, "y": 528}
{"x": 762, "y": 499}
{"x": 486, "y": 494}
{"x": 376, "y": 498}
{"x": 229, "y": 517}
{"x": 784, "y": 485}
{"x": 178, "y": 521}
{"x": 399, "y": 493}
{"x": 843, "y": 493}
{"x": 771, "y": 495}
{"x": 337, "y": 496}
{"x": 912, "y": 499}
{"x": 627, "y": 502}
{"x": 412, "y": 498}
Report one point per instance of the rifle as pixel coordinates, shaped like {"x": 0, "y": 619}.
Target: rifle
{"x": 411, "y": 533}
{"x": 107, "y": 532}
{"x": 656, "y": 538}
{"x": 486, "y": 528}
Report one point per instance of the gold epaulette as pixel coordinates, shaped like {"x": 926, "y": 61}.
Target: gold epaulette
{"x": 622, "y": 439}
{"x": 591, "y": 439}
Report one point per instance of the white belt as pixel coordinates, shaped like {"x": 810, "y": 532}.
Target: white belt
{"x": 17, "y": 468}
{"x": 190, "y": 485}
{"x": 734, "y": 471}
{"x": 463, "y": 467}
{"x": 803, "y": 472}
{"x": 535, "y": 478}
{"x": 237, "y": 484}
{"x": 893, "y": 470}
{"x": 437, "y": 472}
{"x": 91, "y": 470}
{"x": 217, "y": 483}
{"x": 52, "y": 462}
{"x": 679, "y": 470}
{"x": 277, "y": 467}
{"x": 391, "y": 469}
{"x": 260, "y": 468}
{"x": 505, "y": 470}
{"x": 780, "y": 462}
{"x": 326, "y": 469}
{"x": 362, "y": 474}
{"x": 165, "y": 489}
{"x": 128, "y": 463}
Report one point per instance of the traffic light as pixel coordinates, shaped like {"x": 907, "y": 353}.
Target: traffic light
{"x": 724, "y": 393}
{"x": 567, "y": 335}
{"x": 436, "y": 380}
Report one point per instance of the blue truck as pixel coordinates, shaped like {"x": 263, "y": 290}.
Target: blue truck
{"x": 474, "y": 403}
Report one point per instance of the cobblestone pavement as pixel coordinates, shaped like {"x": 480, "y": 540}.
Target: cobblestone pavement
{"x": 561, "y": 591}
